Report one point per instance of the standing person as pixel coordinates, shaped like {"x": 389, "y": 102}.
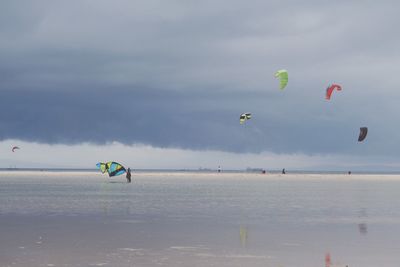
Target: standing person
{"x": 219, "y": 168}
{"x": 128, "y": 175}
{"x": 283, "y": 171}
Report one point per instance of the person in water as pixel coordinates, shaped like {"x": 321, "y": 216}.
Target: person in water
{"x": 128, "y": 175}
{"x": 283, "y": 171}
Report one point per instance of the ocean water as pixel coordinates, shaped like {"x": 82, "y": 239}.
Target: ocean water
{"x": 198, "y": 219}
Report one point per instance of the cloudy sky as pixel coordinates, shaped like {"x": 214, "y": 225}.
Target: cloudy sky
{"x": 161, "y": 84}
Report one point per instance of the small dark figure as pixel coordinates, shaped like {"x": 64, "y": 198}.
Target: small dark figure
{"x": 263, "y": 171}
{"x": 283, "y": 171}
{"x": 349, "y": 172}
{"x": 128, "y": 175}
{"x": 219, "y": 168}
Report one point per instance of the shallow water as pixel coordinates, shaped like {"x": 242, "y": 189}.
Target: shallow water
{"x": 197, "y": 219}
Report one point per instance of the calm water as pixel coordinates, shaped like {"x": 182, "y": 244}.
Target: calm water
{"x": 189, "y": 219}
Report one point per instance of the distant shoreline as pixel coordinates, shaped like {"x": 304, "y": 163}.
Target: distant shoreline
{"x": 205, "y": 171}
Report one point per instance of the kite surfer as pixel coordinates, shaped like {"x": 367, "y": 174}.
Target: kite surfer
{"x": 283, "y": 171}
{"x": 128, "y": 175}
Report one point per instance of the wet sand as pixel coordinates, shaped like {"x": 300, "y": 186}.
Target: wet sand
{"x": 192, "y": 219}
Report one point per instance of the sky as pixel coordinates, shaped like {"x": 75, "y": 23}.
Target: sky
{"x": 161, "y": 84}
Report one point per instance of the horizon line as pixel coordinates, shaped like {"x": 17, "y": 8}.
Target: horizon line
{"x": 209, "y": 170}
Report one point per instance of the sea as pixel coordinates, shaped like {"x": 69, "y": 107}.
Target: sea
{"x": 191, "y": 218}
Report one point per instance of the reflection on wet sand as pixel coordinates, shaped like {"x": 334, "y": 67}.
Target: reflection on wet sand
{"x": 362, "y": 226}
{"x": 188, "y": 219}
{"x": 243, "y": 236}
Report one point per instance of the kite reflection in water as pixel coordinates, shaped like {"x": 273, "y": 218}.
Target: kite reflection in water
{"x": 112, "y": 168}
{"x": 362, "y": 226}
{"x": 243, "y": 235}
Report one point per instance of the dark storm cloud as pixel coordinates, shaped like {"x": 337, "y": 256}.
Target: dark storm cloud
{"x": 178, "y": 74}
{"x": 172, "y": 119}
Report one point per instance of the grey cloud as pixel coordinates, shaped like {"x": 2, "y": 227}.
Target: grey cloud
{"x": 178, "y": 74}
